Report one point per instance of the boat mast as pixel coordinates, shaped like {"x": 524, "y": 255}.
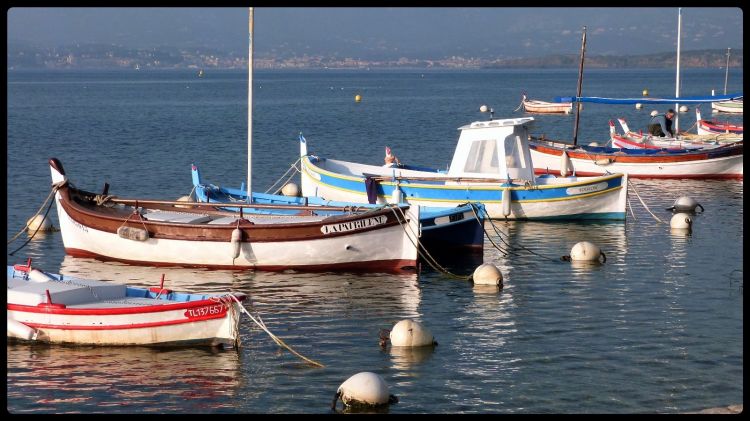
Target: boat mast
{"x": 726, "y": 76}
{"x": 578, "y": 92}
{"x": 250, "y": 105}
{"x": 677, "y": 83}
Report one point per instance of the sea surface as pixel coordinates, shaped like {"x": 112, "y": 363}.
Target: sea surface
{"x": 658, "y": 328}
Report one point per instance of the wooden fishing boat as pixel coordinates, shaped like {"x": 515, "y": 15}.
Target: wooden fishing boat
{"x": 542, "y": 107}
{"x": 47, "y": 307}
{"x": 491, "y": 165}
{"x": 712, "y": 127}
{"x": 163, "y": 233}
{"x": 721, "y": 162}
{"x": 441, "y": 229}
{"x": 733, "y": 106}
{"x": 632, "y": 140}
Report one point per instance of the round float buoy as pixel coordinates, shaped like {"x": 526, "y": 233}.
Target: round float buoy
{"x": 638, "y": 106}
{"x": 236, "y": 242}
{"x": 685, "y": 204}
{"x": 357, "y": 98}
{"x": 39, "y": 223}
{"x": 683, "y": 108}
{"x": 290, "y": 189}
{"x": 411, "y": 334}
{"x": 681, "y": 221}
{"x": 483, "y": 109}
{"x": 594, "y": 144}
{"x": 653, "y": 113}
{"x": 586, "y": 252}
{"x": 645, "y": 92}
{"x": 363, "y": 389}
{"x": 184, "y": 199}
{"x": 487, "y": 274}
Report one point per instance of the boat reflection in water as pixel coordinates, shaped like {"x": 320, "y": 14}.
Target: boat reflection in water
{"x": 269, "y": 292}
{"x": 93, "y": 378}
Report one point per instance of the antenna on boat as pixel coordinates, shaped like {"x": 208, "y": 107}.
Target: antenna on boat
{"x": 677, "y": 82}
{"x": 578, "y": 92}
{"x": 726, "y": 76}
{"x": 250, "y": 105}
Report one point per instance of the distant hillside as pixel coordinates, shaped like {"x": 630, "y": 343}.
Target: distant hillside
{"x": 22, "y": 55}
{"x": 694, "y": 58}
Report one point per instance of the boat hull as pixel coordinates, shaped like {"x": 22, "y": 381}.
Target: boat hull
{"x": 598, "y": 198}
{"x": 445, "y": 229}
{"x": 85, "y": 312}
{"x": 717, "y": 163}
{"x": 541, "y": 107}
{"x": 378, "y": 240}
{"x": 734, "y": 107}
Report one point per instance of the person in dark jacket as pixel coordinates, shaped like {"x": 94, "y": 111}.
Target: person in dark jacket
{"x": 661, "y": 124}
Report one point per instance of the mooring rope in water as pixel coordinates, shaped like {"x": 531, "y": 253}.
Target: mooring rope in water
{"x": 431, "y": 261}
{"x": 291, "y": 167}
{"x": 499, "y": 234}
{"x": 631, "y": 210}
{"x": 274, "y": 337}
{"x": 55, "y": 187}
{"x": 489, "y": 237}
{"x": 52, "y": 192}
{"x": 644, "y": 203}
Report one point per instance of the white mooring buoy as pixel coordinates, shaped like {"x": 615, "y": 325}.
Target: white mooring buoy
{"x": 653, "y": 113}
{"x": 487, "y": 274}
{"x": 38, "y": 222}
{"x": 409, "y": 333}
{"x": 638, "y": 106}
{"x": 290, "y": 189}
{"x": 364, "y": 389}
{"x": 683, "y": 108}
{"x": 586, "y": 252}
{"x": 681, "y": 222}
{"x": 685, "y": 204}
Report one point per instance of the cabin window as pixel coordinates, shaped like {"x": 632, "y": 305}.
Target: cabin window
{"x": 482, "y": 157}
{"x": 514, "y": 153}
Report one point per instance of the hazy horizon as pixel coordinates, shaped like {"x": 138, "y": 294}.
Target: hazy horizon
{"x": 378, "y": 33}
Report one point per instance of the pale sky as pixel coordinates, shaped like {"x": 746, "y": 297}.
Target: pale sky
{"x": 373, "y": 33}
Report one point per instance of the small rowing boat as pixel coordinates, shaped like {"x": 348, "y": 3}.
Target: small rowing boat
{"x": 53, "y": 308}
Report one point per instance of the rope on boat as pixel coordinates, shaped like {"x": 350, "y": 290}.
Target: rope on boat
{"x": 644, "y": 203}
{"x": 55, "y": 188}
{"x": 291, "y": 167}
{"x": 274, "y": 337}
{"x": 421, "y": 250}
{"x": 510, "y": 248}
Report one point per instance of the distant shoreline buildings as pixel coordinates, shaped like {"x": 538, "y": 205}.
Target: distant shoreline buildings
{"x": 115, "y": 57}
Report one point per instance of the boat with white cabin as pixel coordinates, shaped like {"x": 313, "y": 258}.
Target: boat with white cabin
{"x": 491, "y": 164}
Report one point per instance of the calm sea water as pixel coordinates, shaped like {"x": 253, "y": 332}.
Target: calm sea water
{"x": 657, "y": 329}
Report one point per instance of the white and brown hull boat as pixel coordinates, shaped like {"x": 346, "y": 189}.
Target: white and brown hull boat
{"x": 163, "y": 233}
